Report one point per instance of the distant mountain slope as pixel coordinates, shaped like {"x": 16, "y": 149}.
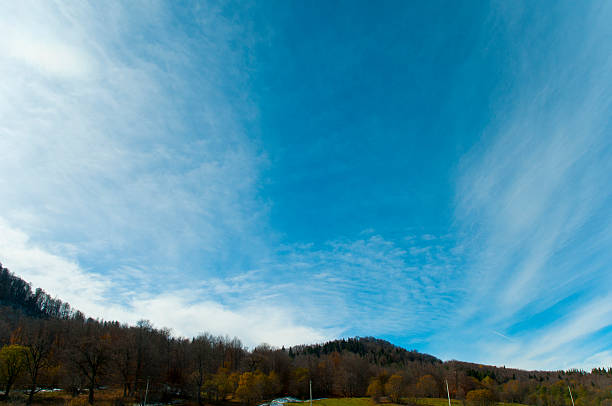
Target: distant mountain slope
{"x": 17, "y": 294}
{"x": 499, "y": 374}
{"x": 374, "y": 350}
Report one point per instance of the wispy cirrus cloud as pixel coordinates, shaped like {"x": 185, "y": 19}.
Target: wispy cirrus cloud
{"x": 532, "y": 204}
{"x": 57, "y": 274}
{"x": 370, "y": 285}
{"x": 107, "y": 170}
{"x": 126, "y": 170}
{"x": 237, "y": 306}
{"x": 98, "y": 150}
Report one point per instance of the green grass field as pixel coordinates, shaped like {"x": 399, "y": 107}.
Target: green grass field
{"x": 339, "y": 402}
{"x": 444, "y": 402}
{"x": 369, "y": 402}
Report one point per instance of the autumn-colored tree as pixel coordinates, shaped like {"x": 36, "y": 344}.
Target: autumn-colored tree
{"x": 375, "y": 390}
{"x": 394, "y": 387}
{"x": 323, "y": 376}
{"x": 248, "y": 391}
{"x": 353, "y": 375}
{"x": 512, "y": 391}
{"x": 299, "y": 381}
{"x": 234, "y": 379}
{"x": 201, "y": 349}
{"x": 123, "y": 357}
{"x": 90, "y": 355}
{"x": 219, "y": 385}
{"x": 488, "y": 382}
{"x": 480, "y": 397}
{"x": 11, "y": 365}
{"x": 38, "y": 338}
{"x": 427, "y": 386}
{"x": 143, "y": 353}
{"x": 273, "y": 384}
{"x": 261, "y": 383}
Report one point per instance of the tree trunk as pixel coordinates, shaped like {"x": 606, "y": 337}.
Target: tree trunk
{"x": 7, "y": 389}
{"x": 31, "y": 394}
{"x": 199, "y": 383}
{"x": 34, "y": 377}
{"x": 90, "y": 397}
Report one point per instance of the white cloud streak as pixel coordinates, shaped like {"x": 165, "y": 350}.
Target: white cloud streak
{"x": 532, "y": 198}
{"x": 123, "y": 149}
{"x": 369, "y": 286}
{"x": 96, "y": 149}
{"x": 187, "y": 311}
{"x": 60, "y": 276}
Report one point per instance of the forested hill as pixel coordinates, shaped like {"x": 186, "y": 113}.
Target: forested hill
{"x": 44, "y": 343}
{"x": 374, "y": 350}
{"x": 18, "y": 294}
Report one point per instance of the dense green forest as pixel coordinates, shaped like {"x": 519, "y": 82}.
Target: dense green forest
{"x": 45, "y": 344}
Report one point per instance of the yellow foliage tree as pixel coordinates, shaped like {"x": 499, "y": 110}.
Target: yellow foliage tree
{"x": 375, "y": 390}
{"x": 513, "y": 390}
{"x": 223, "y": 383}
{"x": 394, "y": 387}
{"x": 488, "y": 382}
{"x": 246, "y": 390}
{"x": 255, "y": 386}
{"x": 427, "y": 386}
{"x": 273, "y": 384}
{"x": 481, "y": 397}
{"x": 12, "y": 363}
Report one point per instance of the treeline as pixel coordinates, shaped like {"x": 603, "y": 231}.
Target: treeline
{"x": 76, "y": 353}
{"x": 17, "y": 294}
{"x": 535, "y": 388}
{"x": 376, "y": 351}
{"x": 46, "y": 344}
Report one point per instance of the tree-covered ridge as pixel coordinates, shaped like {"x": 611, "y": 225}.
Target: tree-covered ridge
{"x": 376, "y": 351}
{"x": 18, "y": 294}
{"x": 46, "y": 344}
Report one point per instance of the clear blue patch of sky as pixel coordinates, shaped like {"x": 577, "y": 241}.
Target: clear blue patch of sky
{"x": 364, "y": 111}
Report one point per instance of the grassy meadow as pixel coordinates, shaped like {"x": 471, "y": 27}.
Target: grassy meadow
{"x": 110, "y": 397}
{"x": 370, "y": 402}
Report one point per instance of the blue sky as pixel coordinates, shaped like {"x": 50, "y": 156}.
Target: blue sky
{"x": 436, "y": 174}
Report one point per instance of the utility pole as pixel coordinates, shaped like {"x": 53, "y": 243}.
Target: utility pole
{"x": 146, "y": 393}
{"x": 571, "y": 397}
{"x": 447, "y": 392}
{"x": 310, "y": 384}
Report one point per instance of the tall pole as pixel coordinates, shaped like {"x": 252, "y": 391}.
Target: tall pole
{"x": 311, "y": 392}
{"x": 571, "y": 397}
{"x": 447, "y": 392}
{"x": 146, "y": 393}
